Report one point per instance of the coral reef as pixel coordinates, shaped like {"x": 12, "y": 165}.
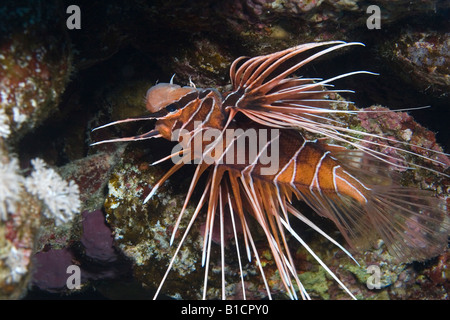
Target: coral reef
{"x": 22, "y": 214}
{"x": 97, "y": 237}
{"x": 36, "y": 64}
{"x": 401, "y": 127}
{"x": 19, "y": 222}
{"x": 423, "y": 59}
{"x": 50, "y": 269}
{"x": 93, "y": 253}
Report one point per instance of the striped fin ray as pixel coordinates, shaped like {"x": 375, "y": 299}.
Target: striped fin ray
{"x": 145, "y": 136}
{"x": 269, "y": 93}
{"x": 264, "y": 205}
{"x": 342, "y": 134}
{"x": 239, "y": 195}
{"x": 412, "y": 222}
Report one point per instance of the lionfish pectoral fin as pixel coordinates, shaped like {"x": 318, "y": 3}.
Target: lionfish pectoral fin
{"x": 166, "y": 176}
{"x": 330, "y": 147}
{"x": 412, "y": 223}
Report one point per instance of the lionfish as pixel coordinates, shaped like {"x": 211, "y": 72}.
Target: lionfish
{"x": 352, "y": 185}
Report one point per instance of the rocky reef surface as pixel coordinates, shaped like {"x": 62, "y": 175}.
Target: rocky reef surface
{"x": 64, "y": 203}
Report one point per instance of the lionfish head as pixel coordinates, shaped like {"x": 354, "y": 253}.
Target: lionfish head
{"x": 166, "y": 98}
{"x": 164, "y": 101}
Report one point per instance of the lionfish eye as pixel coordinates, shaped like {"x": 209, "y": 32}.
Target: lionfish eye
{"x": 172, "y": 107}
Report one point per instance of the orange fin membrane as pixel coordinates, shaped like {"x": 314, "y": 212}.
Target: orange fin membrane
{"x": 413, "y": 223}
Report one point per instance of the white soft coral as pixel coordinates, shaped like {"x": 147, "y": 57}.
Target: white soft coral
{"x": 10, "y": 187}
{"x": 5, "y": 131}
{"x": 61, "y": 198}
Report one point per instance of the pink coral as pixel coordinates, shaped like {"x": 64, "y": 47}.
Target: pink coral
{"x": 403, "y": 131}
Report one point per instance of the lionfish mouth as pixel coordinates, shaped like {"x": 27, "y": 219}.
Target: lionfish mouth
{"x": 349, "y": 184}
